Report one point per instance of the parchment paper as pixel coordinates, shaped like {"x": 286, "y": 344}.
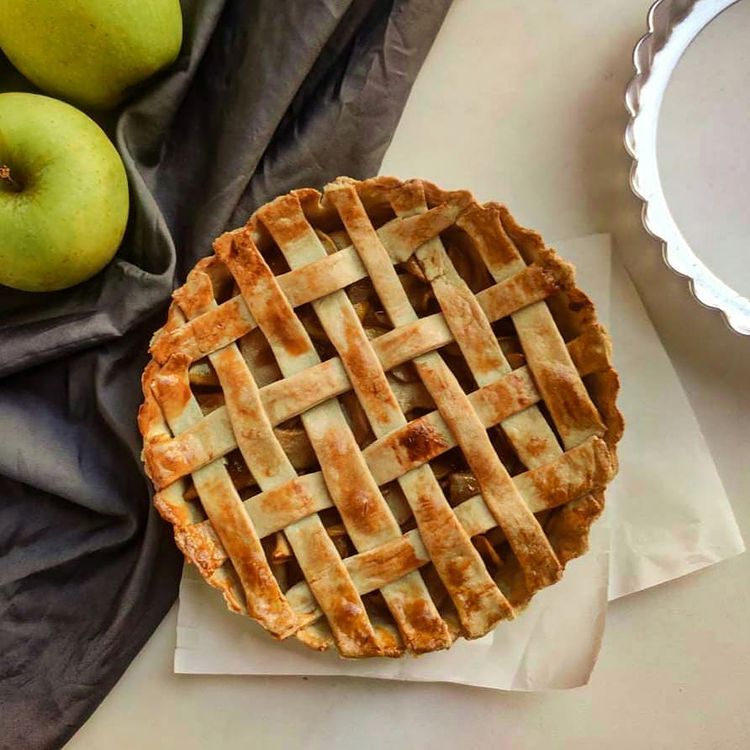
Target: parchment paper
{"x": 667, "y": 515}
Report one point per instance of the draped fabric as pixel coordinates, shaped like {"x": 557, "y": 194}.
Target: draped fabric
{"x": 266, "y": 95}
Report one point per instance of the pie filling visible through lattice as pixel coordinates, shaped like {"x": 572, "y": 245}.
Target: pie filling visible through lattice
{"x": 380, "y": 417}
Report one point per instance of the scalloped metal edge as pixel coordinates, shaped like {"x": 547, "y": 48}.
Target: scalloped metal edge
{"x": 672, "y": 26}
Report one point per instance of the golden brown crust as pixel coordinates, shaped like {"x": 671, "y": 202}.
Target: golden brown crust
{"x": 332, "y": 241}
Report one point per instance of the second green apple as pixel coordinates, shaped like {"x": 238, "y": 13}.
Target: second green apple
{"x": 90, "y": 52}
{"x": 63, "y": 194}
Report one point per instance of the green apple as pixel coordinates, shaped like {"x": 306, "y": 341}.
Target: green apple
{"x": 63, "y": 194}
{"x": 90, "y": 51}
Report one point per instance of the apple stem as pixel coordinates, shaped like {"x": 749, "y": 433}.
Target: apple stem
{"x": 5, "y": 175}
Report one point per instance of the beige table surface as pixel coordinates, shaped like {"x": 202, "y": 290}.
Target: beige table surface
{"x": 521, "y": 100}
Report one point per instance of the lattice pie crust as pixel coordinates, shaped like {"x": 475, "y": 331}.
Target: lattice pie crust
{"x": 380, "y": 417}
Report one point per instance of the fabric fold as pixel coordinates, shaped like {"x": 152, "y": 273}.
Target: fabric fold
{"x": 265, "y": 96}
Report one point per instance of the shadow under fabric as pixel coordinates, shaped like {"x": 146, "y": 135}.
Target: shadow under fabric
{"x": 265, "y": 96}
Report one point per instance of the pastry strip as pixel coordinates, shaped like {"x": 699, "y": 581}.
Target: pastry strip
{"x": 320, "y": 561}
{"x": 574, "y": 414}
{"x": 212, "y": 437}
{"x": 523, "y": 531}
{"x": 232, "y": 319}
{"x": 582, "y": 470}
{"x": 365, "y": 513}
{"x": 264, "y": 600}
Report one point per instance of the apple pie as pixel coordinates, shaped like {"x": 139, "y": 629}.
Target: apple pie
{"x": 380, "y": 417}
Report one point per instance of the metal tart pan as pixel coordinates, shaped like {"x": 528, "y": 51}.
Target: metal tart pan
{"x": 672, "y": 26}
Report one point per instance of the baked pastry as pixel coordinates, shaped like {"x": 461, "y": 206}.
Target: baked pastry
{"x": 380, "y": 417}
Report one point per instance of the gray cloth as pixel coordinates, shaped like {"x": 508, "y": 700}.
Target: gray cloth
{"x": 265, "y": 96}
